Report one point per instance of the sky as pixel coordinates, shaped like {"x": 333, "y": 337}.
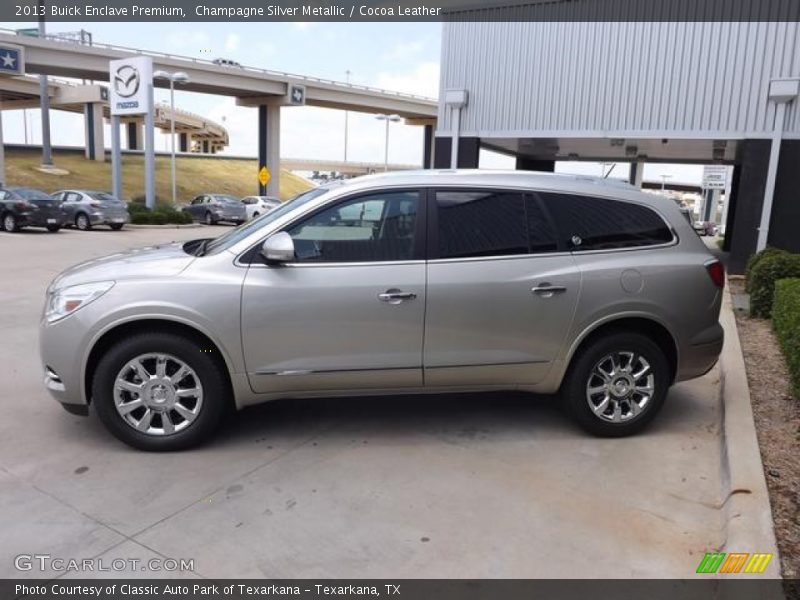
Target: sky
{"x": 402, "y": 57}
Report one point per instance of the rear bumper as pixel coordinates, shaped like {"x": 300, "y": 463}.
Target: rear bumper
{"x": 699, "y": 357}
{"x": 34, "y": 219}
{"x": 104, "y": 219}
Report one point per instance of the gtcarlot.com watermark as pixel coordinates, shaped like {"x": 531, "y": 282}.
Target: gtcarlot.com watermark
{"x": 48, "y": 562}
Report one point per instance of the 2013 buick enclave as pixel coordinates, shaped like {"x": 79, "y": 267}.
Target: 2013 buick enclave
{"x": 412, "y": 282}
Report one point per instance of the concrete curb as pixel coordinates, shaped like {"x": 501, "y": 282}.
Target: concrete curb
{"x": 173, "y": 226}
{"x": 746, "y": 507}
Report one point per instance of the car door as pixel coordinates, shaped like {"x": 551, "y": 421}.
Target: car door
{"x": 501, "y": 291}
{"x": 68, "y": 205}
{"x": 195, "y": 207}
{"x": 348, "y": 312}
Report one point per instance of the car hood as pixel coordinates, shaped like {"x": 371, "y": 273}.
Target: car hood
{"x": 166, "y": 260}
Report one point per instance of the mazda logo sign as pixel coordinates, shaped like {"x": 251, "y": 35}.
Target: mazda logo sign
{"x": 126, "y": 81}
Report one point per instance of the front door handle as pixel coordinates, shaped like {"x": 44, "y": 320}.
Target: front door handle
{"x": 545, "y": 290}
{"x": 395, "y": 296}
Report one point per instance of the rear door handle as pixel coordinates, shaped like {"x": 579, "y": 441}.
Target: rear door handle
{"x": 546, "y": 290}
{"x": 395, "y": 296}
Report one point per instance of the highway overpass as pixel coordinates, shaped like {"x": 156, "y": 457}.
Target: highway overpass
{"x": 196, "y": 133}
{"x": 264, "y": 89}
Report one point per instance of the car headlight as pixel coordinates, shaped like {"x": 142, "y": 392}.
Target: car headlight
{"x": 65, "y": 301}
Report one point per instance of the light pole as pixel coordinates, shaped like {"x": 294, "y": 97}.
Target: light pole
{"x": 387, "y": 118}
{"x": 664, "y": 178}
{"x": 173, "y": 78}
{"x": 346, "y": 115}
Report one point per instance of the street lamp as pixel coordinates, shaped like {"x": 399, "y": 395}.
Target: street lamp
{"x": 173, "y": 78}
{"x": 387, "y": 118}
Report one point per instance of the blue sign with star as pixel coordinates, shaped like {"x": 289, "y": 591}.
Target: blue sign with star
{"x": 11, "y": 61}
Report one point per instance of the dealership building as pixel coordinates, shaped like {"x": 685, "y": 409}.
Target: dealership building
{"x": 722, "y": 92}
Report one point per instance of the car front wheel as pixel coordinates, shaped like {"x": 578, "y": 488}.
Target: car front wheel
{"x": 617, "y": 384}
{"x": 160, "y": 391}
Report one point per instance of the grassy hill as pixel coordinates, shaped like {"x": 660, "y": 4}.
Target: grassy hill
{"x": 194, "y": 175}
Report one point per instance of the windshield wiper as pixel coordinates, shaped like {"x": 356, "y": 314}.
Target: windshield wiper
{"x": 201, "y": 249}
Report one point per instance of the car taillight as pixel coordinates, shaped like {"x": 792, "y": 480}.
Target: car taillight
{"x": 717, "y": 273}
{"x": 96, "y": 205}
{"x": 24, "y": 206}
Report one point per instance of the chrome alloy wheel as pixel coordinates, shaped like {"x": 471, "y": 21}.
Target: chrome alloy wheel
{"x": 158, "y": 394}
{"x": 620, "y": 386}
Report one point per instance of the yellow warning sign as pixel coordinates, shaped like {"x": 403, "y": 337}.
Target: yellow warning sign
{"x": 264, "y": 176}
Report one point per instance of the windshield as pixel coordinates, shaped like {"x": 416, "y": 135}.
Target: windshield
{"x": 235, "y": 235}
{"x": 102, "y": 197}
{"x": 30, "y": 193}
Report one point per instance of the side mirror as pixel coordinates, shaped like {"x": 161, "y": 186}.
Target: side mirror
{"x": 278, "y": 248}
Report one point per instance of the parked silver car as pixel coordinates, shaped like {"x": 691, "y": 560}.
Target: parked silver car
{"x": 410, "y": 282}
{"x": 214, "y": 208}
{"x": 85, "y": 209}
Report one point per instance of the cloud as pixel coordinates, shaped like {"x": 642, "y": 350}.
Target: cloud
{"x": 182, "y": 39}
{"x": 302, "y": 25}
{"x": 232, "y": 42}
{"x": 423, "y": 81}
{"x": 403, "y": 50}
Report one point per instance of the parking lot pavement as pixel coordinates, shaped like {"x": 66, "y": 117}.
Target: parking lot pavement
{"x": 498, "y": 485}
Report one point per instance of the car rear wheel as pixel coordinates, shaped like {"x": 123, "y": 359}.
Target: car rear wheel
{"x": 617, "y": 384}
{"x": 116, "y": 226}
{"x": 82, "y": 222}
{"x": 53, "y": 228}
{"x": 160, "y": 391}
{"x": 10, "y": 223}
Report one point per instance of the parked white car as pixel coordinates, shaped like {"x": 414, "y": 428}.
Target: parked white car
{"x": 259, "y": 205}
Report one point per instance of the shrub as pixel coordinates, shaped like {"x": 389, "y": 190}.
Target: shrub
{"x": 161, "y": 215}
{"x": 764, "y": 274}
{"x": 755, "y": 259}
{"x": 786, "y": 322}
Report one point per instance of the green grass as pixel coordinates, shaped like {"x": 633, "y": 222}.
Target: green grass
{"x": 194, "y": 175}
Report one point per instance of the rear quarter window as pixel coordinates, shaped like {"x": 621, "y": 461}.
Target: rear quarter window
{"x": 591, "y": 223}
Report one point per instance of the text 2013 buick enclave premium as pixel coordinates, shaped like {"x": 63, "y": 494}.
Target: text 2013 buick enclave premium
{"x": 401, "y": 283}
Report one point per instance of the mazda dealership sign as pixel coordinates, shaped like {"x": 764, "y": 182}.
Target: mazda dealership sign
{"x": 130, "y": 79}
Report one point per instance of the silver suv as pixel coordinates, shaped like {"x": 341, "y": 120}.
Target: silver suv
{"x": 410, "y": 282}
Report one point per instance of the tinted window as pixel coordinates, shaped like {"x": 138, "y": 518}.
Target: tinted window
{"x": 378, "y": 227}
{"x": 599, "y": 223}
{"x": 491, "y": 223}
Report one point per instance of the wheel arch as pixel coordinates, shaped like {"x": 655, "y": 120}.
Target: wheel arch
{"x": 121, "y": 330}
{"x": 646, "y": 325}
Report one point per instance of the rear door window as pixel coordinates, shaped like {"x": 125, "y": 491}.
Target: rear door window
{"x": 591, "y": 223}
{"x": 491, "y": 223}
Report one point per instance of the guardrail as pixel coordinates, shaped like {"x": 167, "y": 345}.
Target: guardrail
{"x": 211, "y": 63}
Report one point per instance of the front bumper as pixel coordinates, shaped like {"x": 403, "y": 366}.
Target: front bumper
{"x": 62, "y": 348}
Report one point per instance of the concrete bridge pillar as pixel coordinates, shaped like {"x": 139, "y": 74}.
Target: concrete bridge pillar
{"x": 135, "y": 131}
{"x": 269, "y": 147}
{"x": 93, "y": 126}
{"x": 184, "y": 141}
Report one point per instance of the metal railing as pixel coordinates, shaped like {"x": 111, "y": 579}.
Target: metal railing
{"x": 253, "y": 70}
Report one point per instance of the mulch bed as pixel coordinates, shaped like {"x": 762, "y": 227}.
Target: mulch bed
{"x": 777, "y": 418}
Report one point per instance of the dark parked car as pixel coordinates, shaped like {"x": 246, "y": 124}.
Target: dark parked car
{"x": 85, "y": 209}
{"x": 213, "y": 208}
{"x": 28, "y": 207}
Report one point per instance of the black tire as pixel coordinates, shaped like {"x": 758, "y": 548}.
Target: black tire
{"x": 575, "y": 395}
{"x": 10, "y": 223}
{"x": 255, "y": 215}
{"x": 116, "y": 226}
{"x": 210, "y": 219}
{"x": 82, "y": 222}
{"x": 53, "y": 228}
{"x": 208, "y": 368}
